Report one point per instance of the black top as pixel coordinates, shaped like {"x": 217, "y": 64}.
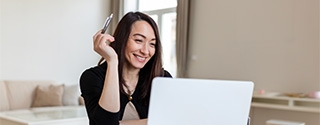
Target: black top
{"x": 91, "y": 84}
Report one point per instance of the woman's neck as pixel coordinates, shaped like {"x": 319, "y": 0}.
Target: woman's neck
{"x": 131, "y": 77}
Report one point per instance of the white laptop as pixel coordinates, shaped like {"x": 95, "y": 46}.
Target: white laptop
{"x": 185, "y": 101}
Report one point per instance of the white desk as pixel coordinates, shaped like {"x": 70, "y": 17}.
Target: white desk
{"x": 46, "y": 116}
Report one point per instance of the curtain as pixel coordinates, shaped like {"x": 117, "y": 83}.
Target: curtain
{"x": 182, "y": 37}
{"x": 115, "y": 8}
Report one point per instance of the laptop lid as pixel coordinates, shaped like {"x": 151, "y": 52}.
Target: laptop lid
{"x": 184, "y": 101}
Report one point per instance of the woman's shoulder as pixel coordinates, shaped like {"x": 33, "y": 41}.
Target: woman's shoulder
{"x": 166, "y": 73}
{"x": 92, "y": 76}
{"x": 98, "y": 70}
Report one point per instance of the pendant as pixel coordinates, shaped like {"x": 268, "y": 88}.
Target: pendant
{"x": 130, "y": 98}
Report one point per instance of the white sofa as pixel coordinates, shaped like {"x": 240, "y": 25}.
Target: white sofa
{"x": 22, "y": 94}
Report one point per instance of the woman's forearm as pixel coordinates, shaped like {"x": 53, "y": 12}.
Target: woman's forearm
{"x": 110, "y": 96}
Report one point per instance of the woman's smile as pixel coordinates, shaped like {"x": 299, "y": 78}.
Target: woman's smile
{"x": 139, "y": 58}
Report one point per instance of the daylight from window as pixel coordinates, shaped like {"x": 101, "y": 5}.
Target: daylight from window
{"x": 164, "y": 13}
{"x": 147, "y": 5}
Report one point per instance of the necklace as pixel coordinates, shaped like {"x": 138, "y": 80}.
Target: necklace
{"x": 129, "y": 92}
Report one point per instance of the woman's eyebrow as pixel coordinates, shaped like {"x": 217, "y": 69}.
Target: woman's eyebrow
{"x": 138, "y": 34}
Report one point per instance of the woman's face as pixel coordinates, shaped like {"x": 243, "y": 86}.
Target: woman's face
{"x": 141, "y": 45}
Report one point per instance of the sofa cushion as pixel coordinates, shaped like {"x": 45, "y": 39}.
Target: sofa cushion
{"x": 4, "y": 103}
{"x": 21, "y": 92}
{"x": 71, "y": 95}
{"x": 48, "y": 96}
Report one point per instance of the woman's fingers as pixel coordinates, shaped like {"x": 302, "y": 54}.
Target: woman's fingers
{"x": 101, "y": 39}
{"x": 104, "y": 37}
{"x": 108, "y": 37}
{"x": 101, "y": 46}
{"x": 95, "y": 35}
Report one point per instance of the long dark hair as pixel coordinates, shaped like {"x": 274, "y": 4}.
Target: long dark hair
{"x": 153, "y": 67}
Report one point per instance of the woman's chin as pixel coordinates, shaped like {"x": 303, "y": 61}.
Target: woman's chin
{"x": 138, "y": 66}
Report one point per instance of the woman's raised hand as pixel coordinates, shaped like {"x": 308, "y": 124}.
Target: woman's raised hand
{"x": 101, "y": 46}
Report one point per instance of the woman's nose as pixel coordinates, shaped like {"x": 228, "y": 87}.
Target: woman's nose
{"x": 145, "y": 49}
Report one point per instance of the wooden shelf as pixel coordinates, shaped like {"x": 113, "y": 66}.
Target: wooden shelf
{"x": 274, "y": 100}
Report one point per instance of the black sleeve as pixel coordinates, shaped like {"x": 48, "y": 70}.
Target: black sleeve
{"x": 167, "y": 74}
{"x": 91, "y": 84}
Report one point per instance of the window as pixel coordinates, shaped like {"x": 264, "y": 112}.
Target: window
{"x": 164, "y": 14}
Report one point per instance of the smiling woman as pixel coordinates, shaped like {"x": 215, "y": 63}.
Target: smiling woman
{"x": 164, "y": 14}
{"x": 117, "y": 91}
{"x": 141, "y": 45}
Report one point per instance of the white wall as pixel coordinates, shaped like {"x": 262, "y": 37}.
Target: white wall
{"x": 1, "y": 46}
{"x": 49, "y": 39}
{"x": 274, "y": 43}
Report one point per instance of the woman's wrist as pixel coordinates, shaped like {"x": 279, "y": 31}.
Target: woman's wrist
{"x": 114, "y": 62}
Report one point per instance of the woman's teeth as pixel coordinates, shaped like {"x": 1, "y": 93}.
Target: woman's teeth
{"x": 141, "y": 58}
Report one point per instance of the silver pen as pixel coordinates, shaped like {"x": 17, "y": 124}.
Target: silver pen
{"x": 106, "y": 24}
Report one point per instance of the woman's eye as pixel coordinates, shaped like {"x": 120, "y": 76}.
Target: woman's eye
{"x": 153, "y": 44}
{"x": 138, "y": 40}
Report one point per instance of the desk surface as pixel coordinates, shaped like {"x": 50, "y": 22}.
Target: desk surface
{"x": 45, "y": 116}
